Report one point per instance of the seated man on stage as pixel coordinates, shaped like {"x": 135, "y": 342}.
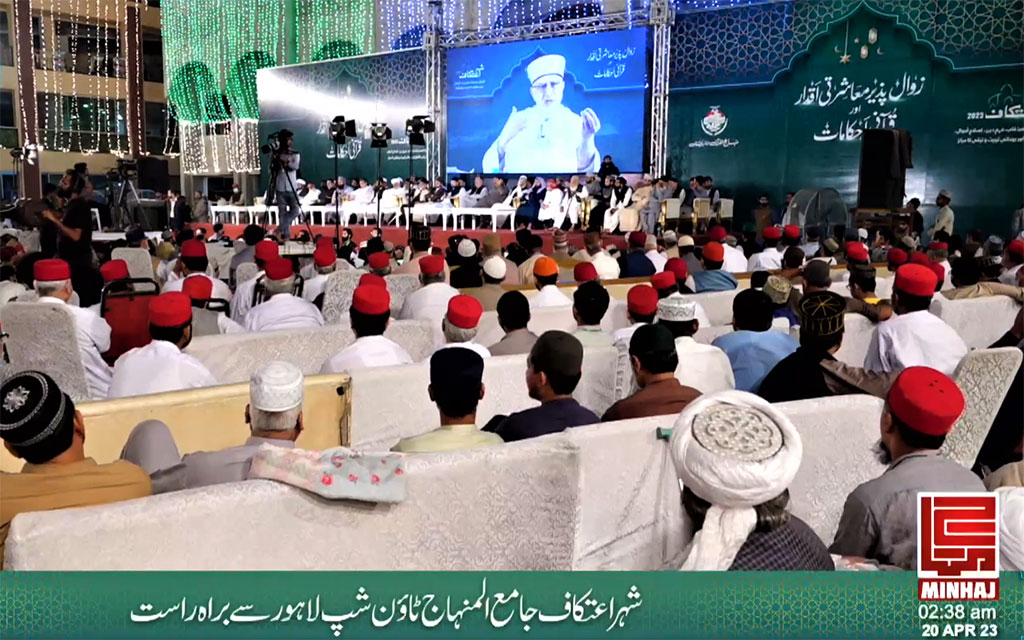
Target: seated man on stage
{"x": 547, "y": 137}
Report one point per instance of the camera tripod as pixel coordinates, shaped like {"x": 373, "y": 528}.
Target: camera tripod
{"x": 119, "y": 203}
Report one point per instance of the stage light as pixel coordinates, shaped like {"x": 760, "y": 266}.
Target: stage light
{"x": 342, "y": 129}
{"x": 380, "y": 133}
{"x": 416, "y": 126}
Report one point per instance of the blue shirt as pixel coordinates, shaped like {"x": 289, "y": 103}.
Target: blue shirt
{"x": 551, "y": 417}
{"x": 753, "y": 354}
{"x": 716, "y": 280}
{"x": 635, "y": 265}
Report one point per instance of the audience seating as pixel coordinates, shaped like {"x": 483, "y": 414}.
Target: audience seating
{"x": 208, "y": 419}
{"x": 985, "y": 376}
{"x": 979, "y": 321}
{"x": 140, "y": 263}
{"x": 492, "y": 509}
{"x": 245, "y": 271}
{"x": 220, "y": 259}
{"x": 391, "y": 403}
{"x": 341, "y": 284}
{"x": 33, "y": 328}
{"x": 235, "y": 357}
{"x": 856, "y": 339}
{"x": 127, "y": 313}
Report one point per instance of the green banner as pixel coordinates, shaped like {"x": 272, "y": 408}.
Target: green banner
{"x": 494, "y": 605}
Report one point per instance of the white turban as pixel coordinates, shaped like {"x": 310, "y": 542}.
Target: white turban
{"x": 1011, "y": 528}
{"x": 736, "y": 451}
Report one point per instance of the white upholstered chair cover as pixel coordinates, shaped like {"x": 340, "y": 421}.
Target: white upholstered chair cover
{"x": 979, "y": 321}
{"x": 631, "y": 514}
{"x": 235, "y": 357}
{"x": 245, "y": 271}
{"x": 140, "y": 263}
{"x": 220, "y": 259}
{"x": 399, "y": 286}
{"x": 856, "y": 339}
{"x": 717, "y": 304}
{"x": 42, "y": 337}
{"x": 338, "y": 295}
{"x": 497, "y": 508}
{"x": 984, "y": 376}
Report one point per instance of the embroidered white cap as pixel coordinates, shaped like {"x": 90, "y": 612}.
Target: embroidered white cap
{"x": 549, "y": 65}
{"x": 276, "y": 386}
{"x": 686, "y": 241}
{"x": 676, "y": 308}
{"x": 466, "y": 248}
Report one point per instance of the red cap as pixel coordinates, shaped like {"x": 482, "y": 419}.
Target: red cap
{"x": 938, "y": 246}
{"x": 379, "y": 260}
{"x": 916, "y": 280}
{"x": 584, "y": 272}
{"x": 267, "y": 250}
{"x": 431, "y": 265}
{"x": 198, "y": 287}
{"x": 642, "y": 300}
{"x": 638, "y": 238}
{"x": 663, "y": 280}
{"x": 677, "y": 266}
{"x": 464, "y": 311}
{"x": 856, "y": 251}
{"x": 51, "y": 270}
{"x": 324, "y": 241}
{"x": 791, "y": 231}
{"x": 1016, "y": 247}
{"x": 897, "y": 256}
{"x": 370, "y": 299}
{"x": 193, "y": 249}
{"x": 771, "y": 233}
{"x": 114, "y": 270}
{"x": 372, "y": 280}
{"x": 919, "y": 258}
{"x": 714, "y": 252}
{"x": 940, "y": 272}
{"x": 324, "y": 257}
{"x": 544, "y": 267}
{"x": 279, "y": 269}
{"x": 171, "y": 309}
{"x": 717, "y": 233}
{"x": 926, "y": 400}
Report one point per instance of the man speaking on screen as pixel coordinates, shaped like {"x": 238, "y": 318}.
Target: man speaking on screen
{"x": 547, "y": 137}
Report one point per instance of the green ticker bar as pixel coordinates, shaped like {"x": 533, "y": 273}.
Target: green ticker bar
{"x": 494, "y": 605}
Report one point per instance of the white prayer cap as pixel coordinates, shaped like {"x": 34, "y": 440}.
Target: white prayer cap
{"x": 495, "y": 267}
{"x": 676, "y": 308}
{"x": 276, "y": 387}
{"x": 651, "y": 242}
{"x": 669, "y": 236}
{"x": 300, "y": 183}
{"x": 553, "y": 64}
{"x": 1011, "y": 528}
{"x": 862, "y": 234}
{"x": 466, "y": 248}
{"x": 946, "y": 193}
{"x": 734, "y": 450}
{"x": 686, "y": 241}
{"x": 396, "y": 182}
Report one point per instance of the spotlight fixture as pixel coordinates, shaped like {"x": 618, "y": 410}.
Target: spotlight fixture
{"x": 416, "y": 126}
{"x": 342, "y": 129}
{"x": 380, "y": 133}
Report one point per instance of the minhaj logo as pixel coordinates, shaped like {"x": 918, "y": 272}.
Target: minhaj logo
{"x": 714, "y": 122}
{"x": 957, "y": 546}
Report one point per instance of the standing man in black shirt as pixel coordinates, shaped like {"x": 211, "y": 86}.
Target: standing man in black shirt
{"x": 74, "y": 240}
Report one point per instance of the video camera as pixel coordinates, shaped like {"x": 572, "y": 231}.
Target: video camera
{"x": 275, "y": 141}
{"x": 127, "y": 169}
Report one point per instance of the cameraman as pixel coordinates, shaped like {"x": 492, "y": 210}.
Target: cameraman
{"x": 285, "y": 197}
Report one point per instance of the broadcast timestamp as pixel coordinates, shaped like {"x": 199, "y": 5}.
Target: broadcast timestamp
{"x": 958, "y": 621}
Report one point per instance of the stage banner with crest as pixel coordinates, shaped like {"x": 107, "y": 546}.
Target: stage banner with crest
{"x": 867, "y": 70}
{"x": 304, "y": 98}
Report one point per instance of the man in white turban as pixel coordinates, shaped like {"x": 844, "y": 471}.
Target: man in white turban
{"x": 736, "y": 456}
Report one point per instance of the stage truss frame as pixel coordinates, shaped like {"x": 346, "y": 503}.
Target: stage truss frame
{"x": 658, "y": 16}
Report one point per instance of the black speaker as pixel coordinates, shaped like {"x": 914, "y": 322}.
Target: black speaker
{"x": 885, "y": 156}
{"x": 153, "y": 174}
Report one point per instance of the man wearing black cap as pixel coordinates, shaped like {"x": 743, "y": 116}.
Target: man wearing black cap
{"x": 652, "y": 354}
{"x": 554, "y": 368}
{"x": 39, "y": 423}
{"x": 456, "y": 387}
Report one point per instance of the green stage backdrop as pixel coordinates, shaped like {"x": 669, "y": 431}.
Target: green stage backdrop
{"x": 624, "y": 605}
{"x": 800, "y": 127}
{"x": 379, "y": 88}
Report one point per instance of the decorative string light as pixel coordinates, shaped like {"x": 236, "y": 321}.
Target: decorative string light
{"x": 76, "y": 122}
{"x": 26, "y": 126}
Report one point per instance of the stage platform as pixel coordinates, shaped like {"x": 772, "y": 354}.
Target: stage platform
{"x": 400, "y": 235}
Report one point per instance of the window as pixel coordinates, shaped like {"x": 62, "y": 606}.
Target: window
{"x": 6, "y": 50}
{"x": 97, "y": 48}
{"x": 7, "y": 109}
{"x": 152, "y": 58}
{"x": 158, "y": 119}
{"x": 77, "y": 124}
{"x": 8, "y": 187}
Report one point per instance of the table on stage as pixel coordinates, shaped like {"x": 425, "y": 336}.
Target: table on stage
{"x": 318, "y": 213}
